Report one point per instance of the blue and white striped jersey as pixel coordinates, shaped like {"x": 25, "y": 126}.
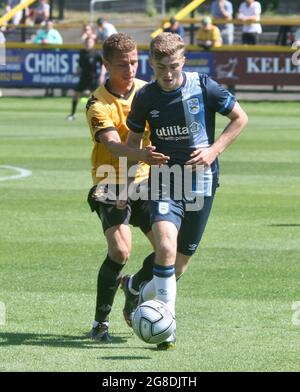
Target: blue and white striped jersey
{"x": 182, "y": 120}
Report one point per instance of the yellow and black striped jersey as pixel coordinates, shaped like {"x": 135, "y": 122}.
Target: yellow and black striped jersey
{"x": 107, "y": 111}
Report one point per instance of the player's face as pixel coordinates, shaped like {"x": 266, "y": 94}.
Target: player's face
{"x": 168, "y": 71}
{"x": 122, "y": 68}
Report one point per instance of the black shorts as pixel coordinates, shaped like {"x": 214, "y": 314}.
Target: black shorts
{"x": 86, "y": 84}
{"x": 249, "y": 38}
{"x": 136, "y": 213}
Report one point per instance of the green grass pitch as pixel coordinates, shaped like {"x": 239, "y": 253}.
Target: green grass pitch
{"x": 234, "y": 305}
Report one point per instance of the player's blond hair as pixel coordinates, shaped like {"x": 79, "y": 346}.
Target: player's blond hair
{"x": 166, "y": 44}
{"x": 118, "y": 42}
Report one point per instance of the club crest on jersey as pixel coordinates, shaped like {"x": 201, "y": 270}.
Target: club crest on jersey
{"x": 193, "y": 105}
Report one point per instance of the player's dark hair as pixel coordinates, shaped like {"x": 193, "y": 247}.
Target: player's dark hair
{"x": 166, "y": 44}
{"x": 118, "y": 42}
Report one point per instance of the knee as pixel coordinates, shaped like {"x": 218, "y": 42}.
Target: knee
{"x": 119, "y": 255}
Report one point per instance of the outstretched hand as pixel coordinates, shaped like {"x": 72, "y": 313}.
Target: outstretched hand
{"x": 148, "y": 155}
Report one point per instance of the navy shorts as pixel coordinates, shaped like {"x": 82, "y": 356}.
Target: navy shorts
{"x": 190, "y": 224}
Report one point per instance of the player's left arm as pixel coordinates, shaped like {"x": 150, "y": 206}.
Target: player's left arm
{"x": 238, "y": 121}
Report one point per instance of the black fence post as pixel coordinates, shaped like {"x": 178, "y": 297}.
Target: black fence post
{"x": 23, "y": 29}
{"x": 51, "y": 9}
{"x": 61, "y": 9}
{"x": 192, "y": 30}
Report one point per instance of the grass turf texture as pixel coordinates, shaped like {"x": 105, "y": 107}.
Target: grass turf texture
{"x": 234, "y": 303}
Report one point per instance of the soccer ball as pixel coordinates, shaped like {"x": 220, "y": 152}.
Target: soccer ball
{"x": 153, "y": 322}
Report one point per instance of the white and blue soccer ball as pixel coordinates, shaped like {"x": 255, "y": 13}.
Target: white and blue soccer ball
{"x": 153, "y": 322}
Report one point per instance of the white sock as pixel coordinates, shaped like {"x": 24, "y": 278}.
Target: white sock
{"x": 165, "y": 285}
{"x": 148, "y": 291}
{"x": 95, "y": 324}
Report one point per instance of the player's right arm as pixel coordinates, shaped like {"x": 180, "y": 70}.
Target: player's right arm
{"x": 104, "y": 131}
{"x": 148, "y": 154}
{"x": 131, "y": 150}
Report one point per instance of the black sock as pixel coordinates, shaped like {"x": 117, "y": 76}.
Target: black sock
{"x": 145, "y": 274}
{"x": 107, "y": 284}
{"x": 74, "y": 106}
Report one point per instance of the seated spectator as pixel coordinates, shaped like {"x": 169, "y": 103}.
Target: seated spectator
{"x": 250, "y": 10}
{"x": 41, "y": 13}
{"x": 223, "y": 9}
{"x": 208, "y": 35}
{"x": 175, "y": 27}
{"x": 47, "y": 35}
{"x": 105, "y": 29}
{"x": 87, "y": 32}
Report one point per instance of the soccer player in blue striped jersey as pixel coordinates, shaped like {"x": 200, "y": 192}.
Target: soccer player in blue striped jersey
{"x": 179, "y": 108}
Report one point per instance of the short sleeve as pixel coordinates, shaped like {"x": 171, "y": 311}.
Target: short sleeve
{"x": 218, "y": 98}
{"x": 257, "y": 8}
{"x": 136, "y": 120}
{"x": 99, "y": 118}
{"x": 230, "y": 8}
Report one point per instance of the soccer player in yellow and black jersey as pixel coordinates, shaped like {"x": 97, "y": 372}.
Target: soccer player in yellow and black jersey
{"x": 107, "y": 111}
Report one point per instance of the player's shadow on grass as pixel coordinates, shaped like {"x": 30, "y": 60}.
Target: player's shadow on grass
{"x": 35, "y": 339}
{"x": 122, "y": 358}
{"x": 285, "y": 225}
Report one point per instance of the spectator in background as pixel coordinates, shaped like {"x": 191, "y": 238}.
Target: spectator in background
{"x": 285, "y": 36}
{"x": 2, "y": 38}
{"x": 2, "y": 47}
{"x": 105, "y": 29}
{"x": 89, "y": 66}
{"x": 41, "y": 13}
{"x": 250, "y": 10}
{"x": 223, "y": 9}
{"x": 10, "y": 4}
{"x": 47, "y": 35}
{"x": 175, "y": 27}
{"x": 208, "y": 35}
{"x": 87, "y": 32}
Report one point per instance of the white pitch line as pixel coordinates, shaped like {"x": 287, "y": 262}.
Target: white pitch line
{"x": 21, "y": 173}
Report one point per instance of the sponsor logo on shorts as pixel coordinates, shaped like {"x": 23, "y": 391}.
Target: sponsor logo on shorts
{"x": 192, "y": 247}
{"x": 163, "y": 208}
